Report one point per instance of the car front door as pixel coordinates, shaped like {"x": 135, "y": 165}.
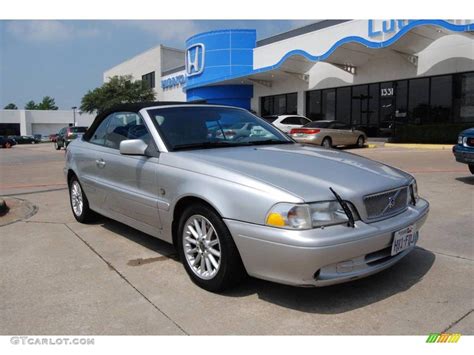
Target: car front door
{"x": 130, "y": 182}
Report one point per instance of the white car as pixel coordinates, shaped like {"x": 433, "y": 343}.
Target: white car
{"x": 287, "y": 122}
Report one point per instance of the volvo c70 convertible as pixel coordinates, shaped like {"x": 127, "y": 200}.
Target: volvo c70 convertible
{"x": 255, "y": 204}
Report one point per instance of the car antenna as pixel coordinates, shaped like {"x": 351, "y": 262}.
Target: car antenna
{"x": 345, "y": 208}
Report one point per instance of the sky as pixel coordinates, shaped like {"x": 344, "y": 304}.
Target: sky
{"x": 65, "y": 59}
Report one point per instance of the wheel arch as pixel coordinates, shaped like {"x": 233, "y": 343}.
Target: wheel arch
{"x": 180, "y": 206}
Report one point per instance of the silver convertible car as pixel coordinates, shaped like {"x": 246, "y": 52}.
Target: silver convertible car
{"x": 255, "y": 204}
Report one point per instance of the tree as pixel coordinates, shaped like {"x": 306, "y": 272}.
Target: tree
{"x": 118, "y": 90}
{"x": 11, "y": 106}
{"x": 48, "y": 103}
{"x": 30, "y": 105}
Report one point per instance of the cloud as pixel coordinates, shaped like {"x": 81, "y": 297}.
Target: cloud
{"x": 47, "y": 30}
{"x": 176, "y": 31}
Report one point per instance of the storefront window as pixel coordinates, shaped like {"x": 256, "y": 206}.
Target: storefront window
{"x": 464, "y": 97}
{"x": 313, "y": 105}
{"x": 329, "y": 104}
{"x": 373, "y": 112}
{"x": 418, "y": 100}
{"x": 360, "y": 101}
{"x": 343, "y": 110}
{"x": 441, "y": 98}
{"x": 401, "y": 100}
{"x": 285, "y": 104}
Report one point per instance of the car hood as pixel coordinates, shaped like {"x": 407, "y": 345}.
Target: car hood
{"x": 304, "y": 171}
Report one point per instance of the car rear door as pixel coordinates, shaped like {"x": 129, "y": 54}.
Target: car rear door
{"x": 130, "y": 182}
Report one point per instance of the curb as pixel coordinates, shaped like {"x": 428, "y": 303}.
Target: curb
{"x": 420, "y": 146}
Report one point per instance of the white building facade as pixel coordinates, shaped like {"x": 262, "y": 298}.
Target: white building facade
{"x": 366, "y": 73}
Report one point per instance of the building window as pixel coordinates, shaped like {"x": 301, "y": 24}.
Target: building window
{"x": 285, "y": 104}
{"x": 441, "y": 98}
{"x": 359, "y": 105}
{"x": 343, "y": 100}
{"x": 419, "y": 100}
{"x": 401, "y": 100}
{"x": 149, "y": 79}
{"x": 329, "y": 104}
{"x": 464, "y": 97}
{"x": 313, "y": 105}
{"x": 373, "y": 111}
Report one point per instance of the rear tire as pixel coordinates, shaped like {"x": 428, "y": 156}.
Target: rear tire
{"x": 361, "y": 142}
{"x": 471, "y": 168}
{"x": 222, "y": 267}
{"x": 327, "y": 143}
{"x": 79, "y": 203}
{"x": 56, "y": 145}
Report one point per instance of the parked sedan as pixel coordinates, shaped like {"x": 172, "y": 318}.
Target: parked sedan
{"x": 464, "y": 150}
{"x": 262, "y": 206}
{"x": 6, "y": 142}
{"x": 66, "y": 135}
{"x": 287, "y": 122}
{"x": 328, "y": 134}
{"x": 24, "y": 139}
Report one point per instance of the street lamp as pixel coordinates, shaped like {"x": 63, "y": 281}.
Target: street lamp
{"x": 74, "y": 115}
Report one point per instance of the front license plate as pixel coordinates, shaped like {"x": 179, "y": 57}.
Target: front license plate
{"x": 404, "y": 239}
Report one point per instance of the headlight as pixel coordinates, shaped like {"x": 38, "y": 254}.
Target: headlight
{"x": 460, "y": 140}
{"x": 306, "y": 216}
{"x": 414, "y": 191}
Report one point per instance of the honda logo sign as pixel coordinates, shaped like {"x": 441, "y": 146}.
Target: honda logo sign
{"x": 195, "y": 59}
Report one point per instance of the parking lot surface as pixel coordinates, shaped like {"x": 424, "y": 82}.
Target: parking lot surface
{"x": 61, "y": 277}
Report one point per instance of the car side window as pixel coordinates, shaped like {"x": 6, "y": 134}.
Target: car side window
{"x": 125, "y": 125}
{"x": 303, "y": 120}
{"x": 99, "y": 135}
{"x": 291, "y": 120}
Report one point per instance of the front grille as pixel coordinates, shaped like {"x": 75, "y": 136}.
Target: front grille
{"x": 387, "y": 203}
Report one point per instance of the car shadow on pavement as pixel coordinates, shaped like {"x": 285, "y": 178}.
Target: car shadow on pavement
{"x": 466, "y": 179}
{"x": 343, "y": 297}
{"x": 323, "y": 300}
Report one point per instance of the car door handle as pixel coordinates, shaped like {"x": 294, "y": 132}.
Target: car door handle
{"x": 100, "y": 163}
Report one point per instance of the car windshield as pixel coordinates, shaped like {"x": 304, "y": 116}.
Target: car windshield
{"x": 201, "y": 127}
{"x": 318, "y": 124}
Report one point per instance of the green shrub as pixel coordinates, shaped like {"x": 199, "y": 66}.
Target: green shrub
{"x": 432, "y": 133}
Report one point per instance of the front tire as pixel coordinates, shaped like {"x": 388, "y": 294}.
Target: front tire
{"x": 471, "y": 168}
{"x": 56, "y": 145}
{"x": 79, "y": 203}
{"x": 207, "y": 250}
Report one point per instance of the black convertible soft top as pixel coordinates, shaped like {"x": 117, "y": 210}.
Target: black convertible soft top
{"x": 132, "y": 107}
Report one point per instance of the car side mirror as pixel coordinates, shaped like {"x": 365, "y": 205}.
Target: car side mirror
{"x": 133, "y": 147}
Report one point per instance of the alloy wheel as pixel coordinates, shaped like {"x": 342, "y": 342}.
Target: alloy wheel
{"x": 76, "y": 198}
{"x": 201, "y": 246}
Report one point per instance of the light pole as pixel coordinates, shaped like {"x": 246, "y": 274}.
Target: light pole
{"x": 74, "y": 115}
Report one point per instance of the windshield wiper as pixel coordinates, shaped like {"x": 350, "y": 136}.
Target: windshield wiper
{"x": 345, "y": 208}
{"x": 203, "y": 145}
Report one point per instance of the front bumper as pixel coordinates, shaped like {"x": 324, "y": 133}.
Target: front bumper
{"x": 321, "y": 257}
{"x": 463, "y": 154}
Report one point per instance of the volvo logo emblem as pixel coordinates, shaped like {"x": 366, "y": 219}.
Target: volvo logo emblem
{"x": 195, "y": 59}
{"x": 391, "y": 202}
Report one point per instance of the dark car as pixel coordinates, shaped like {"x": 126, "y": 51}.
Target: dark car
{"x": 6, "y": 142}
{"x": 24, "y": 139}
{"x": 67, "y": 134}
{"x": 464, "y": 150}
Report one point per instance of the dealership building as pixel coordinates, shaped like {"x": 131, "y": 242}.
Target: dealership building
{"x": 366, "y": 73}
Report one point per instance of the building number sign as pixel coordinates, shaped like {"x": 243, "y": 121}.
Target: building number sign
{"x": 386, "y": 92}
